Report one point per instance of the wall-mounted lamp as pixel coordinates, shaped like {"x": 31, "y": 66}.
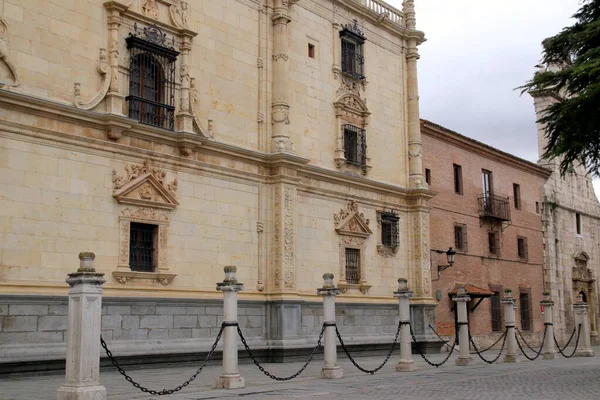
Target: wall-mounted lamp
{"x": 450, "y": 256}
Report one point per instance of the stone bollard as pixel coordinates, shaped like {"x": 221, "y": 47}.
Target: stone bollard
{"x": 406, "y": 362}
{"x": 509, "y": 315}
{"x": 330, "y": 368}
{"x": 584, "y": 348}
{"x": 549, "y": 350}
{"x": 230, "y": 377}
{"x": 82, "y": 376}
{"x": 461, "y": 299}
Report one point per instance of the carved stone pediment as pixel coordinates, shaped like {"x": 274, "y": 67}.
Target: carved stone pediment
{"x": 145, "y": 186}
{"x": 352, "y": 103}
{"x": 350, "y": 222}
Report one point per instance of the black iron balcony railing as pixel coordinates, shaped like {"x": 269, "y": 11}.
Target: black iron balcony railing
{"x": 496, "y": 207}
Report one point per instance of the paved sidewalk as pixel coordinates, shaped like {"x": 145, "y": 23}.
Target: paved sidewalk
{"x": 576, "y": 378}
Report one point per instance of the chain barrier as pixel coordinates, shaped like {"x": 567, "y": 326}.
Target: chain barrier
{"x": 504, "y": 335}
{"x": 561, "y": 351}
{"x": 371, "y": 371}
{"x": 537, "y": 353}
{"x": 439, "y": 337}
{"x": 490, "y": 347}
{"x": 286, "y": 378}
{"x": 437, "y": 365}
{"x": 164, "y": 392}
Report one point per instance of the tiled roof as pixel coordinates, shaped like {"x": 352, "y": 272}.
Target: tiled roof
{"x": 472, "y": 290}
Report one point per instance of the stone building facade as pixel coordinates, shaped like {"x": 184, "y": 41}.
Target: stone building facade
{"x": 174, "y": 138}
{"x": 571, "y": 231}
{"x": 488, "y": 208}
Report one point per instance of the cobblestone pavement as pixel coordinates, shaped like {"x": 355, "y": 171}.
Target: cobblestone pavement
{"x": 576, "y": 378}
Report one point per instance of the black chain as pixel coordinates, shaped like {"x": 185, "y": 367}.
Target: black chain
{"x": 439, "y": 337}
{"x": 499, "y": 353}
{"x": 165, "y": 391}
{"x": 537, "y": 353}
{"x": 437, "y": 365}
{"x": 267, "y": 373}
{"x": 489, "y": 347}
{"x": 561, "y": 351}
{"x": 371, "y": 371}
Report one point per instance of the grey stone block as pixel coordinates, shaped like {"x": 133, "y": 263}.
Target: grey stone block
{"x": 58, "y": 310}
{"x": 28, "y": 309}
{"x": 207, "y": 321}
{"x": 143, "y": 310}
{"x": 31, "y": 337}
{"x": 193, "y": 310}
{"x": 132, "y": 334}
{"x": 252, "y": 332}
{"x": 158, "y": 334}
{"x": 104, "y": 310}
{"x": 53, "y": 323}
{"x": 349, "y": 320}
{"x": 254, "y": 321}
{"x": 170, "y": 310}
{"x": 374, "y": 320}
{"x": 111, "y": 321}
{"x": 308, "y": 320}
{"x": 131, "y": 322}
{"x": 243, "y": 321}
{"x": 360, "y": 320}
{"x": 119, "y": 310}
{"x": 3, "y": 309}
{"x": 357, "y": 311}
{"x": 382, "y": 312}
{"x": 201, "y": 333}
{"x": 156, "y": 321}
{"x": 107, "y": 334}
{"x": 19, "y": 324}
{"x": 254, "y": 311}
{"x": 214, "y": 310}
{"x": 180, "y": 333}
{"x": 185, "y": 321}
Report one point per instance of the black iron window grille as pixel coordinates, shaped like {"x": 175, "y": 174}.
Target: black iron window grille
{"x": 460, "y": 237}
{"x": 496, "y": 312}
{"x": 522, "y": 248}
{"x": 353, "y": 266}
{"x": 493, "y": 243}
{"x": 525, "y": 314}
{"x": 390, "y": 234}
{"x": 142, "y": 238}
{"x": 152, "y": 65}
{"x": 352, "y": 50}
{"x": 355, "y": 145}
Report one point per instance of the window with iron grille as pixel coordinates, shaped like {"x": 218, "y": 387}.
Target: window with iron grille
{"x": 353, "y": 266}
{"x": 355, "y": 145}
{"x": 142, "y": 249}
{"x": 522, "y": 247}
{"x": 496, "y": 312}
{"x": 525, "y": 311}
{"x": 352, "y": 50}
{"x": 460, "y": 237}
{"x": 390, "y": 235}
{"x": 493, "y": 243}
{"x": 151, "y": 98}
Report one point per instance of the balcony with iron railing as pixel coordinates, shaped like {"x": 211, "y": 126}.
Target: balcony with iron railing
{"x": 494, "y": 207}
{"x": 383, "y": 9}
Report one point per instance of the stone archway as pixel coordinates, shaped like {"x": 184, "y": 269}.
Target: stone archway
{"x": 583, "y": 284}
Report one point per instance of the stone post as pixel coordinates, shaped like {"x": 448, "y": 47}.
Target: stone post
{"x": 330, "y": 368}
{"x": 461, "y": 299}
{"x": 230, "y": 377}
{"x": 406, "y": 362}
{"x": 584, "y": 348}
{"x": 509, "y": 315}
{"x": 82, "y": 376}
{"x": 549, "y": 350}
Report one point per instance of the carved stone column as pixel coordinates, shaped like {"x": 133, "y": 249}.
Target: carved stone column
{"x": 284, "y": 238}
{"x": 114, "y": 100}
{"x": 185, "y": 117}
{"x": 415, "y": 167}
{"x": 280, "y": 135}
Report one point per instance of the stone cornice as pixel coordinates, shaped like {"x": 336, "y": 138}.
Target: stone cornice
{"x": 456, "y": 139}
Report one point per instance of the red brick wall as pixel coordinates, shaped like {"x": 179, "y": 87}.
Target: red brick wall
{"x": 476, "y": 266}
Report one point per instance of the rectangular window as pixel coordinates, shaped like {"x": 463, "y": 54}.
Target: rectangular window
{"x": 493, "y": 243}
{"x": 355, "y": 145}
{"x": 460, "y": 237}
{"x": 458, "y": 189}
{"x": 496, "y": 312}
{"x": 428, "y": 176}
{"x": 390, "y": 235}
{"x": 311, "y": 50}
{"x": 517, "y": 196}
{"x": 578, "y": 223}
{"x": 142, "y": 248}
{"x": 525, "y": 311}
{"x": 353, "y": 266}
{"x": 537, "y": 207}
{"x": 352, "y": 53}
{"x": 522, "y": 248}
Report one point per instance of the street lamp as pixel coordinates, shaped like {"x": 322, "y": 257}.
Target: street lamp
{"x": 450, "y": 256}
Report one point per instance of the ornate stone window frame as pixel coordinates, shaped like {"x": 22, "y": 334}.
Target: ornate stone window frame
{"x": 350, "y": 109}
{"x": 383, "y": 250}
{"x": 144, "y": 195}
{"x": 353, "y": 230}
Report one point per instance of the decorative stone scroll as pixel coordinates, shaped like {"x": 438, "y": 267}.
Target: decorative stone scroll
{"x": 105, "y": 71}
{"x": 4, "y": 56}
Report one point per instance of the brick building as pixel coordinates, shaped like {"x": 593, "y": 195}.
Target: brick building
{"x": 174, "y": 138}
{"x": 488, "y": 209}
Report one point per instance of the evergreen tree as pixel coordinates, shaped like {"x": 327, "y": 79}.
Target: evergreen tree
{"x": 573, "y": 79}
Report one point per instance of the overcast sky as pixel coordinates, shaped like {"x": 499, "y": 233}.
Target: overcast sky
{"x": 476, "y": 53}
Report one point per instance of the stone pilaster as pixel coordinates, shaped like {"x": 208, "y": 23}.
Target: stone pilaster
{"x": 114, "y": 99}
{"x": 184, "y": 116}
{"x": 284, "y": 238}
{"x": 82, "y": 376}
{"x": 280, "y": 107}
